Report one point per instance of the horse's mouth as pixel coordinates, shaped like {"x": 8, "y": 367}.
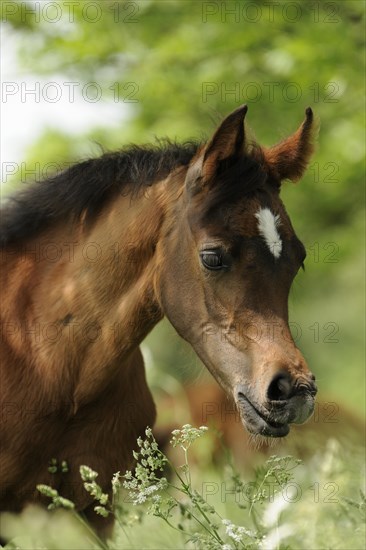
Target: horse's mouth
{"x": 259, "y": 422}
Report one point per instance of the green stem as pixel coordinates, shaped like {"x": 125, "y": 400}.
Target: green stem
{"x": 217, "y": 536}
{"x": 187, "y": 471}
{"x": 123, "y": 529}
{"x": 187, "y": 491}
{"x": 253, "y": 515}
{"x": 91, "y": 530}
{"x": 213, "y": 532}
{"x": 173, "y": 526}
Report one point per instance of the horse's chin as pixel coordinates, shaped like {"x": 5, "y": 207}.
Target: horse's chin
{"x": 259, "y": 424}
{"x": 265, "y": 430}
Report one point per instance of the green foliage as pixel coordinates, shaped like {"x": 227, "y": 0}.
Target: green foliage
{"x": 184, "y": 512}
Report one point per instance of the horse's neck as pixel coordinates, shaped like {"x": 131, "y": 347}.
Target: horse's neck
{"x": 118, "y": 292}
{"x": 97, "y": 302}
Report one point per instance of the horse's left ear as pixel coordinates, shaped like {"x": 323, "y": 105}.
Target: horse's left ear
{"x": 228, "y": 139}
{"x": 289, "y": 158}
{"x": 226, "y": 144}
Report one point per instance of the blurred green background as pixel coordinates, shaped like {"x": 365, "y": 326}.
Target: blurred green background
{"x": 175, "y": 68}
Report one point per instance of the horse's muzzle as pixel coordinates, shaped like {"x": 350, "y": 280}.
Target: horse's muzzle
{"x": 272, "y": 418}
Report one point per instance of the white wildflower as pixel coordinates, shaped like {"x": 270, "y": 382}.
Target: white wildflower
{"x": 236, "y": 532}
{"x": 186, "y": 436}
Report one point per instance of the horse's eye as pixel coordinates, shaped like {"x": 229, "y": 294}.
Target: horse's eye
{"x": 212, "y": 260}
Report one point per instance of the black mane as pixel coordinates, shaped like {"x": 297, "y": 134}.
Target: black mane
{"x": 86, "y": 186}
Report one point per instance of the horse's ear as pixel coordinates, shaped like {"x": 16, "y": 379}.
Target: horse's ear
{"x": 228, "y": 139}
{"x": 289, "y": 158}
{"x": 226, "y": 144}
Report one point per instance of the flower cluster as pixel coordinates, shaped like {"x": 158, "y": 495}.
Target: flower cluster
{"x": 146, "y": 482}
{"x": 54, "y": 466}
{"x": 116, "y": 483}
{"x": 91, "y": 486}
{"x": 237, "y": 533}
{"x": 186, "y": 436}
{"x": 57, "y": 500}
{"x": 279, "y": 470}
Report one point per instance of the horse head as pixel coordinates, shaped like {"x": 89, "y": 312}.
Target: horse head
{"x": 227, "y": 263}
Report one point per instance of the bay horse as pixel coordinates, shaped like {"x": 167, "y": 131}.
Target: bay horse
{"x": 93, "y": 257}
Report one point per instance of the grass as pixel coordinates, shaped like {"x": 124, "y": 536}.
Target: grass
{"x": 286, "y": 504}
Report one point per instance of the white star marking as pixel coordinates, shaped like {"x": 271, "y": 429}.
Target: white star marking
{"x": 267, "y": 226}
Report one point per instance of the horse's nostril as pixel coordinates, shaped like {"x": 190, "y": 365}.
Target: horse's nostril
{"x": 280, "y": 388}
{"x": 305, "y": 387}
{"x": 313, "y": 390}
